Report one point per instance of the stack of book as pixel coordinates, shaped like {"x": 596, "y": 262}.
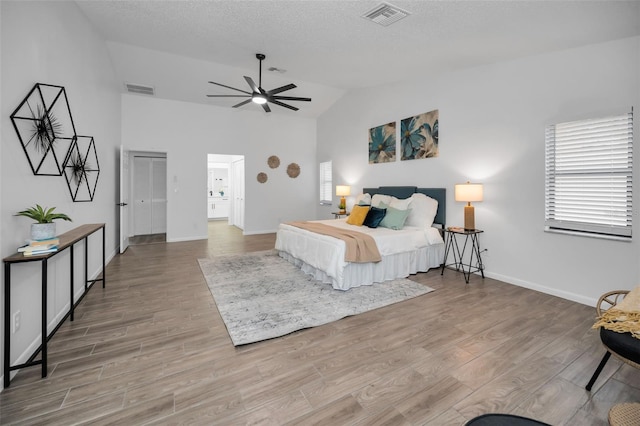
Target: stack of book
{"x": 36, "y": 247}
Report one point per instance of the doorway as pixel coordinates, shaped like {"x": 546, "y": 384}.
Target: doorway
{"x": 225, "y": 189}
{"x": 149, "y": 196}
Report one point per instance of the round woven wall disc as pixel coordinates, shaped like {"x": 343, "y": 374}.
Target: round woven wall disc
{"x": 293, "y": 170}
{"x": 273, "y": 161}
{"x": 262, "y": 177}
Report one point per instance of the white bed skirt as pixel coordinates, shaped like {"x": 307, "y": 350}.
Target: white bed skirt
{"x": 392, "y": 266}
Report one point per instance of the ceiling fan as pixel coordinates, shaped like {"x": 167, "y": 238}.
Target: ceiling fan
{"x": 260, "y": 96}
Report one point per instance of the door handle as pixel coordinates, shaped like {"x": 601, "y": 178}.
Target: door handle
{"x": 121, "y": 204}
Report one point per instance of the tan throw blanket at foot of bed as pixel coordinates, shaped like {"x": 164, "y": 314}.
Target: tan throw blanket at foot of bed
{"x": 360, "y": 247}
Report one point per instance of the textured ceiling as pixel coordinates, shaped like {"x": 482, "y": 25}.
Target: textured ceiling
{"x": 326, "y": 47}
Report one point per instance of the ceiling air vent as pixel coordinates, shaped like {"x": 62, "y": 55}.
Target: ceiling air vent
{"x": 140, "y": 89}
{"x": 385, "y": 14}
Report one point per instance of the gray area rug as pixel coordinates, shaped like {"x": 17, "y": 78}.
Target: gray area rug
{"x": 261, "y": 296}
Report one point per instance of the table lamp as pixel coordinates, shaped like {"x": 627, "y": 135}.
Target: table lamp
{"x": 469, "y": 192}
{"x": 343, "y": 191}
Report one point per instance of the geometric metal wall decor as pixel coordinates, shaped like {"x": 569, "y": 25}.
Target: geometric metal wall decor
{"x": 48, "y": 137}
{"x": 81, "y": 168}
{"x": 45, "y": 128}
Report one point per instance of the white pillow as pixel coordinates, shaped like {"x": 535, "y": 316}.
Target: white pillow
{"x": 363, "y": 200}
{"x": 398, "y": 204}
{"x": 378, "y": 199}
{"x": 423, "y": 211}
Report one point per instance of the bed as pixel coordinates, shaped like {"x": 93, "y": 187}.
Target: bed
{"x": 417, "y": 247}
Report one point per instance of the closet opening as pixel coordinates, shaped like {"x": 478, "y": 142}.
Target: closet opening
{"x": 149, "y": 196}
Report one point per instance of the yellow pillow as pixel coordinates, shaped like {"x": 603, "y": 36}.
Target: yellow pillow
{"x": 357, "y": 216}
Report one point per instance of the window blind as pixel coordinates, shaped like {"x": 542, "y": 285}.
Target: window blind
{"x": 326, "y": 183}
{"x": 589, "y": 176}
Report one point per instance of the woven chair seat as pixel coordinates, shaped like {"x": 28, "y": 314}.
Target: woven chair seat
{"x": 627, "y": 414}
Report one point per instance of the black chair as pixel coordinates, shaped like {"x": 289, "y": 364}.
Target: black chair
{"x": 503, "y": 420}
{"x": 623, "y": 345}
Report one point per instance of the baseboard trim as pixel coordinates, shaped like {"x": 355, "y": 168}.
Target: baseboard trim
{"x": 268, "y": 231}
{"x": 543, "y": 289}
{"x": 178, "y": 240}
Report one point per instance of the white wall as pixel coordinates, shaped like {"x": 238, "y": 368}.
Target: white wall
{"x": 52, "y": 42}
{"x": 492, "y": 122}
{"x": 188, "y": 132}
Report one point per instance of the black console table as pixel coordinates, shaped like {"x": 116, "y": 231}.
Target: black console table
{"x": 67, "y": 241}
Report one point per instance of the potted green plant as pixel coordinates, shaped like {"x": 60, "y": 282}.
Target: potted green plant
{"x": 45, "y": 227}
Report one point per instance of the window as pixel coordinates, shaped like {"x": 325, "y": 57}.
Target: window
{"x": 588, "y": 176}
{"x": 326, "y": 183}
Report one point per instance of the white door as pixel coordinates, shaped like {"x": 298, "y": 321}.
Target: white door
{"x": 141, "y": 195}
{"x": 124, "y": 199}
{"x": 149, "y": 195}
{"x": 159, "y": 195}
{"x": 237, "y": 206}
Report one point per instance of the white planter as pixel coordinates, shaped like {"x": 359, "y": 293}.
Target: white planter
{"x": 43, "y": 231}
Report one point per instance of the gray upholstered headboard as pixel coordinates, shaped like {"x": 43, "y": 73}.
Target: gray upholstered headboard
{"x": 438, "y": 194}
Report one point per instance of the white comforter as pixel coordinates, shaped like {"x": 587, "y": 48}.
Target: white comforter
{"x": 403, "y": 252}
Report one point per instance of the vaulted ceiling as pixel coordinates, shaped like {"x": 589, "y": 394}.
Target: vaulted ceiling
{"x": 326, "y": 47}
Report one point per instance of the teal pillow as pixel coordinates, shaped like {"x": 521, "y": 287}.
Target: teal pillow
{"x": 374, "y": 217}
{"x": 394, "y": 218}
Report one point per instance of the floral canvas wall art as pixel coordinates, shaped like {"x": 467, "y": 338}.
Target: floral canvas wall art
{"x": 419, "y": 136}
{"x": 382, "y": 143}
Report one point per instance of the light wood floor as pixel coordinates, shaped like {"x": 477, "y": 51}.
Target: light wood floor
{"x": 148, "y": 239}
{"x": 151, "y": 348}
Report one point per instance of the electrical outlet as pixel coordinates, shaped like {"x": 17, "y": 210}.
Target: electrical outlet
{"x": 17, "y": 317}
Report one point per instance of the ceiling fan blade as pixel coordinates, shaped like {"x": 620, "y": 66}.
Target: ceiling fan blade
{"x": 266, "y": 108}
{"x": 242, "y": 103}
{"x": 282, "y": 89}
{"x": 227, "y": 96}
{"x": 252, "y": 84}
{"x": 229, "y": 87}
{"x": 290, "y": 98}
{"x": 283, "y": 105}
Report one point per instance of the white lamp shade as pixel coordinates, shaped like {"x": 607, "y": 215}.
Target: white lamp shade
{"x": 468, "y": 192}
{"x": 343, "y": 190}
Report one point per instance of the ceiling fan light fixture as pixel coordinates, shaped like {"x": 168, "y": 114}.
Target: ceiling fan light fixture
{"x": 259, "y": 98}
